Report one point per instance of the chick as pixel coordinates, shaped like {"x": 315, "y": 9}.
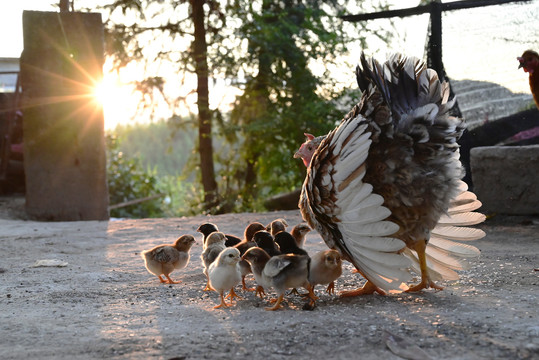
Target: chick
{"x": 207, "y": 228}
{"x": 287, "y": 244}
{"x": 280, "y": 272}
{"x": 276, "y": 226}
{"x": 215, "y": 243}
{"x": 245, "y": 244}
{"x": 326, "y": 267}
{"x": 164, "y": 259}
{"x": 264, "y": 240}
{"x": 224, "y": 274}
{"x": 299, "y": 232}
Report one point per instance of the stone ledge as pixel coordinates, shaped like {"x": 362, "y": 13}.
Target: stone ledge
{"x": 505, "y": 178}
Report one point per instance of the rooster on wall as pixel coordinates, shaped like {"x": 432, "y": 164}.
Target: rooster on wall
{"x": 386, "y": 182}
{"x": 529, "y": 61}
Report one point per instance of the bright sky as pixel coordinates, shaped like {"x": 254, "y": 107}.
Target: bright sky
{"x": 490, "y": 57}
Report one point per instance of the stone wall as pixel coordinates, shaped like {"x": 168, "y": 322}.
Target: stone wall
{"x": 506, "y": 178}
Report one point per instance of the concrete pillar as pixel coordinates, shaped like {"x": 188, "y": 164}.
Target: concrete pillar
{"x": 64, "y": 144}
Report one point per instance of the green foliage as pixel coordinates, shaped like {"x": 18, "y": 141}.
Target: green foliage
{"x": 279, "y": 53}
{"x": 128, "y": 181}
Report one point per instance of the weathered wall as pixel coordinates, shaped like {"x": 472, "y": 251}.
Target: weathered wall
{"x": 505, "y": 178}
{"x": 64, "y": 146}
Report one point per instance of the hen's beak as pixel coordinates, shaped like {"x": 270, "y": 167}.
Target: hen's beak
{"x": 521, "y": 60}
{"x": 297, "y": 155}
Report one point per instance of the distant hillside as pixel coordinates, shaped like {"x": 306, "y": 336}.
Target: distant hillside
{"x": 157, "y": 145}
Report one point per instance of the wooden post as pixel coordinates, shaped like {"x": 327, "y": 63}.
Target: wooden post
{"x": 64, "y": 145}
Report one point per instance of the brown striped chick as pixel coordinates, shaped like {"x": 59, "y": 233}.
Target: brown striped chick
{"x": 276, "y": 226}
{"x": 215, "y": 243}
{"x": 243, "y": 246}
{"x": 326, "y": 267}
{"x": 299, "y": 232}
{"x": 164, "y": 259}
{"x": 224, "y": 274}
{"x": 279, "y": 272}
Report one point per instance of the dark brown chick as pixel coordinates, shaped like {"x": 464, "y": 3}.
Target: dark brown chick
{"x": 264, "y": 240}
{"x": 243, "y": 246}
{"x": 287, "y": 244}
{"x": 164, "y": 259}
{"x": 277, "y": 226}
{"x": 207, "y": 228}
{"x": 280, "y": 272}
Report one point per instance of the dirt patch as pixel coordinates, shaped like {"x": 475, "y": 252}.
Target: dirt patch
{"x": 104, "y": 304}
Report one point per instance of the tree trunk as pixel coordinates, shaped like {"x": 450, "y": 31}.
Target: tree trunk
{"x": 204, "y": 116}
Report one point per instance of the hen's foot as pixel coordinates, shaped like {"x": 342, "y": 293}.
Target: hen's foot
{"x": 424, "y": 284}
{"x": 367, "y": 289}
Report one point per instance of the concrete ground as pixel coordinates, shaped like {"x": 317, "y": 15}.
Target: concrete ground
{"x": 100, "y": 302}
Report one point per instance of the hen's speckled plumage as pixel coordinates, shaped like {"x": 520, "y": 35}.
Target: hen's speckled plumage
{"x": 378, "y": 184}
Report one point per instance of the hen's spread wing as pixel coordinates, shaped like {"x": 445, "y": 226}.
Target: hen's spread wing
{"x": 346, "y": 212}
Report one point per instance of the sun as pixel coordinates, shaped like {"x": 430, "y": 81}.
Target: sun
{"x": 117, "y": 100}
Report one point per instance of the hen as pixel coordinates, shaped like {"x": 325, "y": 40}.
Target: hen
{"x": 164, "y": 259}
{"x": 386, "y": 181}
{"x": 529, "y": 61}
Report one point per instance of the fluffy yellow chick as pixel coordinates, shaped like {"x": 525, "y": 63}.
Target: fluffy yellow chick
{"x": 215, "y": 243}
{"x": 224, "y": 273}
{"x": 164, "y": 259}
{"x": 326, "y": 267}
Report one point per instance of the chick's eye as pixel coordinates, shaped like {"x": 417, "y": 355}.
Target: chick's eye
{"x": 230, "y": 255}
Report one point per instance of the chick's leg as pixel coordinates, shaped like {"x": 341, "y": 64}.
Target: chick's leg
{"x": 260, "y": 291}
{"x": 223, "y": 302}
{"x": 277, "y": 303}
{"x": 425, "y": 283}
{"x": 331, "y": 288}
{"x": 170, "y": 281}
{"x": 244, "y": 285}
{"x": 161, "y": 279}
{"x": 233, "y": 295}
{"x": 208, "y": 286}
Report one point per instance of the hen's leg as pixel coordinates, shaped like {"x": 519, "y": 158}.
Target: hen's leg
{"x": 367, "y": 289}
{"x": 425, "y": 283}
